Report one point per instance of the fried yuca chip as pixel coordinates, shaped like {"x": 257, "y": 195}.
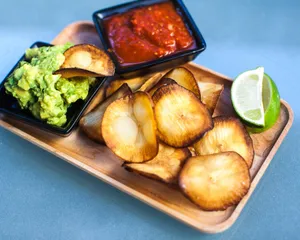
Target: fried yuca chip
{"x": 228, "y": 134}
{"x": 181, "y": 117}
{"x": 215, "y": 182}
{"x": 164, "y": 167}
{"x": 192, "y": 151}
{"x": 161, "y": 82}
{"x": 91, "y": 122}
{"x": 210, "y": 94}
{"x": 129, "y": 128}
{"x": 151, "y": 82}
{"x": 86, "y": 60}
{"x": 184, "y": 78}
{"x": 133, "y": 83}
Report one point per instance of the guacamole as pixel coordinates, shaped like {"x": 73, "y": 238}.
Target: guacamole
{"x": 45, "y": 95}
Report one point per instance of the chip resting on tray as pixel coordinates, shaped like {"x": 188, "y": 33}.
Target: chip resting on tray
{"x": 184, "y": 78}
{"x": 91, "y": 122}
{"x": 162, "y": 82}
{"x": 228, "y": 134}
{"x": 165, "y": 166}
{"x": 133, "y": 83}
{"x": 151, "y": 82}
{"x": 216, "y": 181}
{"x": 129, "y": 128}
{"x": 210, "y": 94}
{"x": 181, "y": 117}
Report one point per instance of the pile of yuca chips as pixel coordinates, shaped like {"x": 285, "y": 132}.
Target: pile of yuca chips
{"x": 154, "y": 123}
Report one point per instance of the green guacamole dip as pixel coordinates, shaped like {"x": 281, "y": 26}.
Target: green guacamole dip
{"x": 47, "y": 96}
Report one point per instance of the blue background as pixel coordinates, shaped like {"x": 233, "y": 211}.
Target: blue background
{"x": 42, "y": 197}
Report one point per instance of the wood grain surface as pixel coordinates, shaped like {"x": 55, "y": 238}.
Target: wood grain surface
{"x": 99, "y": 161}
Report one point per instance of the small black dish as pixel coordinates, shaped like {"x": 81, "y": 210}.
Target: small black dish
{"x": 9, "y": 105}
{"x": 160, "y": 63}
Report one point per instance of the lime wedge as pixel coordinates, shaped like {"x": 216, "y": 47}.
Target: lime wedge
{"x": 247, "y": 96}
{"x": 271, "y": 104}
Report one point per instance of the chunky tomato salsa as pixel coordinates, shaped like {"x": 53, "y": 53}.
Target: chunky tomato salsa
{"x": 147, "y": 33}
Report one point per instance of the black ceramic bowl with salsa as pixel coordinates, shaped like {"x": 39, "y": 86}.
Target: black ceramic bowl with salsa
{"x": 148, "y": 35}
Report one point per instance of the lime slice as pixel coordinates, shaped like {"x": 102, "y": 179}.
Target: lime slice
{"x": 271, "y": 104}
{"x": 247, "y": 96}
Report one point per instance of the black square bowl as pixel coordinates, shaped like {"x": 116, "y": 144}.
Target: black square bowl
{"x": 9, "y": 105}
{"x": 160, "y": 63}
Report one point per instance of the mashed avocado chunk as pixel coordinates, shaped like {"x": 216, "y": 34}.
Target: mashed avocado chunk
{"x": 47, "y": 96}
{"x": 73, "y": 89}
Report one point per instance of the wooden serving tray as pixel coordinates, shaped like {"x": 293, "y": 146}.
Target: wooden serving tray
{"x": 99, "y": 161}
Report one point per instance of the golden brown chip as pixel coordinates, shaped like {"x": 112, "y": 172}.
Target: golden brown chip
{"x": 161, "y": 82}
{"x": 129, "y": 128}
{"x": 184, "y": 78}
{"x": 75, "y": 72}
{"x": 228, "y": 134}
{"x": 210, "y": 94}
{"x": 192, "y": 151}
{"x": 165, "y": 166}
{"x": 215, "y": 182}
{"x": 133, "y": 83}
{"x": 151, "y": 82}
{"x": 91, "y": 122}
{"x": 181, "y": 117}
{"x": 86, "y": 59}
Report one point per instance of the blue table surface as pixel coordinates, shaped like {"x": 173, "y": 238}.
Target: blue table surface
{"x": 43, "y": 197}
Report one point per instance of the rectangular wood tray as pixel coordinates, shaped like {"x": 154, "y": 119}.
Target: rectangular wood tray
{"x": 97, "y": 160}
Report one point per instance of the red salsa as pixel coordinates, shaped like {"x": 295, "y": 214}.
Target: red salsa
{"x": 147, "y": 33}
